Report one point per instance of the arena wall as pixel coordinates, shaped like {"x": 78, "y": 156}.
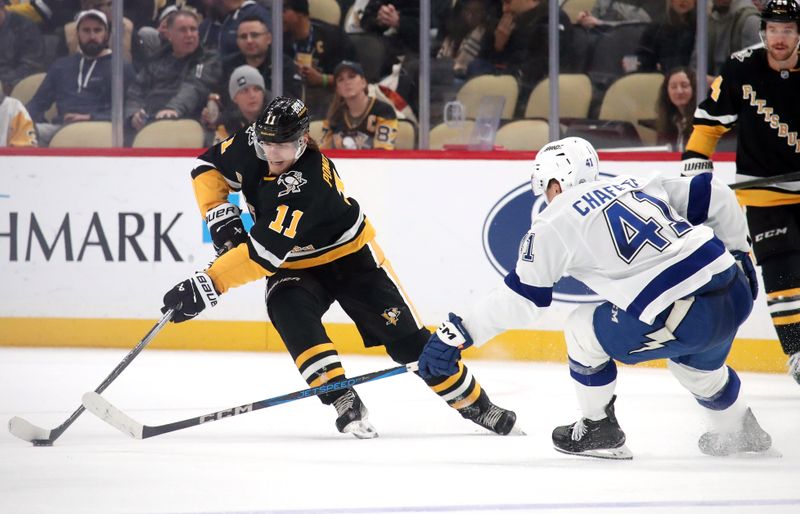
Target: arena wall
{"x": 90, "y": 241}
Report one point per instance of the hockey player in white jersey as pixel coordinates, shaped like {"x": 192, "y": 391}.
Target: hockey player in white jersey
{"x": 670, "y": 258}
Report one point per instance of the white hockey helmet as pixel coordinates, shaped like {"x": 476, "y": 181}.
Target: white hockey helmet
{"x": 571, "y": 161}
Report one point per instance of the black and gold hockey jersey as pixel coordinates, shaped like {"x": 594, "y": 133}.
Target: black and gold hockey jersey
{"x": 302, "y": 217}
{"x": 765, "y": 106}
{"x": 377, "y": 128}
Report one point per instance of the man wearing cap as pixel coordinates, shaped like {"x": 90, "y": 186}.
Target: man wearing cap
{"x": 254, "y": 39}
{"x": 20, "y": 48}
{"x": 79, "y": 84}
{"x": 249, "y": 96}
{"x": 357, "y": 121}
{"x": 316, "y": 48}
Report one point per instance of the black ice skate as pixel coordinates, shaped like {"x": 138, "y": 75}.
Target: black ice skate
{"x": 490, "y": 416}
{"x": 603, "y": 439}
{"x": 752, "y": 438}
{"x": 794, "y": 366}
{"x": 353, "y": 416}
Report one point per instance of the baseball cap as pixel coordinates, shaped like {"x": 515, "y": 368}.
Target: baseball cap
{"x": 348, "y": 65}
{"x": 91, "y": 13}
{"x": 242, "y": 77}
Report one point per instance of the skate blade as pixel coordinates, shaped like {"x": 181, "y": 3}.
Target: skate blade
{"x": 770, "y": 453}
{"x": 517, "y": 430}
{"x": 361, "y": 429}
{"x": 621, "y": 453}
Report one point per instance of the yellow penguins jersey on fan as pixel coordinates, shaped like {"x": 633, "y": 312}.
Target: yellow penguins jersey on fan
{"x": 376, "y": 128}
{"x": 765, "y": 106}
{"x": 16, "y": 125}
{"x": 302, "y": 216}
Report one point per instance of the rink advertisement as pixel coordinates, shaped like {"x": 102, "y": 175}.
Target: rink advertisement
{"x": 88, "y": 246}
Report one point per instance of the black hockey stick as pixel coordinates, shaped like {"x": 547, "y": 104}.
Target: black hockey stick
{"x": 27, "y": 431}
{"x": 103, "y": 409}
{"x": 766, "y": 181}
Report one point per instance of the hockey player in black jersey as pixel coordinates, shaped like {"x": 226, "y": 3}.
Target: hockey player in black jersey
{"x": 315, "y": 246}
{"x": 758, "y": 90}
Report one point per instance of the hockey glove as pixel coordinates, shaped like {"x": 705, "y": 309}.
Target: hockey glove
{"x": 745, "y": 261}
{"x": 442, "y": 352}
{"x": 190, "y": 297}
{"x": 694, "y": 163}
{"x": 225, "y": 224}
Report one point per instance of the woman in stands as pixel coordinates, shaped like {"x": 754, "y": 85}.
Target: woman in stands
{"x": 357, "y": 121}
{"x": 677, "y": 100}
{"x": 669, "y": 44}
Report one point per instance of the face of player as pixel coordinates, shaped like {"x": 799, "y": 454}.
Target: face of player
{"x": 281, "y": 155}
{"x": 781, "y": 40}
{"x": 682, "y": 6}
{"x": 679, "y": 89}
{"x": 250, "y": 100}
{"x": 253, "y": 38}
{"x": 183, "y": 36}
{"x": 350, "y": 84}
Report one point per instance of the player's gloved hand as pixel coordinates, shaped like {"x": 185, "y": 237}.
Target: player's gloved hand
{"x": 694, "y": 163}
{"x": 745, "y": 261}
{"x": 442, "y": 352}
{"x": 190, "y": 297}
{"x": 225, "y": 224}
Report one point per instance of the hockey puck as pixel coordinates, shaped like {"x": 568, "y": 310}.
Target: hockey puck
{"x": 42, "y": 442}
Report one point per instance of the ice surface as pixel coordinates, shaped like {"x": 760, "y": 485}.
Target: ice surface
{"x": 290, "y": 458}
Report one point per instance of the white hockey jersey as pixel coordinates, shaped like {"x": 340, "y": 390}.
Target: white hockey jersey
{"x": 640, "y": 243}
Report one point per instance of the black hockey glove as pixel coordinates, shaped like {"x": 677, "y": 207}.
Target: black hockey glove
{"x": 745, "y": 261}
{"x": 442, "y": 352}
{"x": 190, "y": 297}
{"x": 694, "y": 163}
{"x": 225, "y": 224}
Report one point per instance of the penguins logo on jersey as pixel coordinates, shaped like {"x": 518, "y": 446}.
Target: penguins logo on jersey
{"x": 391, "y": 315}
{"x": 292, "y": 181}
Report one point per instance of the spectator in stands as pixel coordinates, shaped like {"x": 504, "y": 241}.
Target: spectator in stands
{"x": 677, "y": 100}
{"x": 669, "y": 44}
{"x": 104, "y": 6}
{"x": 79, "y": 84}
{"x": 249, "y": 96}
{"x": 732, "y": 26}
{"x": 519, "y": 44}
{"x": 357, "y": 121}
{"x": 176, "y": 83}
{"x": 16, "y": 125}
{"x": 150, "y": 40}
{"x": 398, "y": 22}
{"x": 219, "y": 32}
{"x": 20, "y": 47}
{"x": 254, "y": 39}
{"x": 612, "y": 12}
{"x": 49, "y": 15}
{"x": 316, "y": 48}
{"x": 465, "y": 29}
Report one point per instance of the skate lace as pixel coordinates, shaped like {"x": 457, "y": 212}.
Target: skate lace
{"x": 794, "y": 363}
{"x": 490, "y": 418}
{"x": 578, "y": 430}
{"x": 344, "y": 402}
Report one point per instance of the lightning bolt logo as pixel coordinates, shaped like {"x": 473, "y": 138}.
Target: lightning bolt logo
{"x": 665, "y": 334}
{"x": 658, "y": 339}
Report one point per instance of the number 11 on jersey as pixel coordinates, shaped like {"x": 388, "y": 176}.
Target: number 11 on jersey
{"x": 280, "y": 217}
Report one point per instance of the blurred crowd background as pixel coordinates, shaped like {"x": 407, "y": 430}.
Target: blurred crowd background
{"x": 195, "y": 71}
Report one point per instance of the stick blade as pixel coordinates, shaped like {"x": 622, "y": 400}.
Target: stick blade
{"x": 103, "y": 409}
{"x": 27, "y": 431}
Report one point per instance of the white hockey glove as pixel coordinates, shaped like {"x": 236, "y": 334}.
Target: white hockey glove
{"x": 225, "y": 225}
{"x": 190, "y": 297}
{"x": 694, "y": 163}
{"x": 442, "y": 352}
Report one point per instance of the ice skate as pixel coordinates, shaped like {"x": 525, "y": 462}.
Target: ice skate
{"x": 752, "y": 438}
{"x": 491, "y": 417}
{"x": 353, "y": 416}
{"x": 603, "y": 439}
{"x": 794, "y": 366}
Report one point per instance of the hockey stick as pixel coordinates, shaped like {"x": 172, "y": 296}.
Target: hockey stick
{"x": 27, "y": 431}
{"x": 767, "y": 181}
{"x": 103, "y": 409}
